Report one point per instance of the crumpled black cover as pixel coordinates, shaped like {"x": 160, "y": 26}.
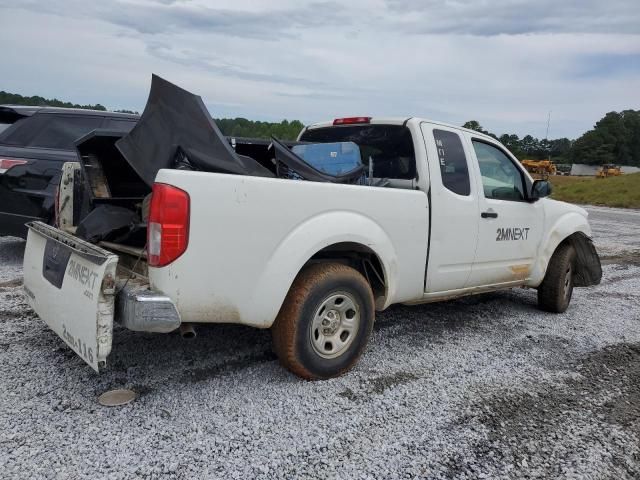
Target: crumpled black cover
{"x": 172, "y": 118}
{"x": 110, "y": 223}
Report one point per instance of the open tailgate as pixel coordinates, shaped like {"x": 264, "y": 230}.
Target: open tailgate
{"x": 71, "y": 286}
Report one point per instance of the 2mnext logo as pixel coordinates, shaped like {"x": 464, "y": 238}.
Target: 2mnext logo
{"x": 512, "y": 234}
{"x": 82, "y": 274}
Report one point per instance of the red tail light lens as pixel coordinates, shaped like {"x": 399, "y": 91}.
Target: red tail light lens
{"x": 7, "y": 163}
{"x": 168, "y": 227}
{"x": 351, "y": 120}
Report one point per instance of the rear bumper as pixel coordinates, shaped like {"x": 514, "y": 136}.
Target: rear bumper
{"x": 143, "y": 310}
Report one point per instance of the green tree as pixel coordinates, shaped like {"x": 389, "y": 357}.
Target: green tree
{"x": 7, "y": 98}
{"x": 615, "y": 138}
{"x": 241, "y": 127}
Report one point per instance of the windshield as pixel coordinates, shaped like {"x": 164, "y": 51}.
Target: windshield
{"x": 389, "y": 147}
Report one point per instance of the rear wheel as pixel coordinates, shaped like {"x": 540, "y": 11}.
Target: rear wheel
{"x": 325, "y": 321}
{"x": 554, "y": 293}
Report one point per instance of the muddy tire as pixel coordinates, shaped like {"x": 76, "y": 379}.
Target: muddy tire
{"x": 554, "y": 293}
{"x": 325, "y": 321}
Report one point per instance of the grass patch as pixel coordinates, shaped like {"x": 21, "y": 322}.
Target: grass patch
{"x": 622, "y": 191}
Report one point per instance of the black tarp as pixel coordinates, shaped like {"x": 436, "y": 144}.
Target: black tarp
{"x": 173, "y": 120}
{"x": 112, "y": 223}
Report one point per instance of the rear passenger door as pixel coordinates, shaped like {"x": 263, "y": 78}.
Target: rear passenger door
{"x": 453, "y": 209}
{"x": 510, "y": 226}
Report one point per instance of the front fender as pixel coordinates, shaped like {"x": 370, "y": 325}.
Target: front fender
{"x": 304, "y": 241}
{"x": 563, "y": 227}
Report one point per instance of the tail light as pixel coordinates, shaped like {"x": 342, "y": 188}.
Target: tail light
{"x": 351, "y": 120}
{"x": 168, "y": 226}
{"x": 7, "y": 163}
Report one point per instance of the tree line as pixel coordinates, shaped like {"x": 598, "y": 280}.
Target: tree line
{"x": 7, "y": 98}
{"x": 237, "y": 127}
{"x": 241, "y": 127}
{"x": 614, "y": 139}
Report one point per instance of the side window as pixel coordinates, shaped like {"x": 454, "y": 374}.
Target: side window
{"x": 453, "y": 162}
{"x": 501, "y": 179}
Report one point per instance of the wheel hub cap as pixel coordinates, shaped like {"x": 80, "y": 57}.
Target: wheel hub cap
{"x": 331, "y": 322}
{"x": 335, "y": 325}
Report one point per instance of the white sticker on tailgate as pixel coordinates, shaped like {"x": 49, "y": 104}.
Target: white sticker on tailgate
{"x": 70, "y": 285}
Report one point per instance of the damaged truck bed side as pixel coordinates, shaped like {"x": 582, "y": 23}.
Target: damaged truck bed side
{"x": 174, "y": 224}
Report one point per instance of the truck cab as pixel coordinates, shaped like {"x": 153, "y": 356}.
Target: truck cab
{"x": 487, "y": 220}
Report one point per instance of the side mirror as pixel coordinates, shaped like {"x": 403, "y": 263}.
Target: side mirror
{"x": 540, "y": 189}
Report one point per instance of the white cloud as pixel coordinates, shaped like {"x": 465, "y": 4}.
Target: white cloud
{"x": 505, "y": 64}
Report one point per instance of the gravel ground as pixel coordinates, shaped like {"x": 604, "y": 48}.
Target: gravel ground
{"x": 482, "y": 387}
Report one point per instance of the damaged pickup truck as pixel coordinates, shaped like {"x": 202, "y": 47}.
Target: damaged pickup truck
{"x": 173, "y": 224}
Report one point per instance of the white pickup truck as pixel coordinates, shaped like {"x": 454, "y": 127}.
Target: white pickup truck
{"x": 442, "y": 212}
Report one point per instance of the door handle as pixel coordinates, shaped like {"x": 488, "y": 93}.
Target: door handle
{"x": 489, "y": 215}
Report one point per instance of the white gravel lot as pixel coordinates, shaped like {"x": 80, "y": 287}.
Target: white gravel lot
{"x": 482, "y": 387}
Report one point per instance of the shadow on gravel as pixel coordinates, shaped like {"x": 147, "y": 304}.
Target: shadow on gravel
{"x": 12, "y": 250}
{"x": 434, "y": 320}
{"x": 377, "y": 386}
{"x": 631, "y": 257}
{"x": 157, "y": 358}
{"x": 604, "y": 393}
{"x": 220, "y": 350}
{"x": 15, "y": 282}
{"x": 229, "y": 366}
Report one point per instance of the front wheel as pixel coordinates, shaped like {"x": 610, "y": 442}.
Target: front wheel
{"x": 325, "y": 321}
{"x": 554, "y": 293}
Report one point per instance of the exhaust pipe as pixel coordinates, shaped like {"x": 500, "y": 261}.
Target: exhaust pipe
{"x": 187, "y": 330}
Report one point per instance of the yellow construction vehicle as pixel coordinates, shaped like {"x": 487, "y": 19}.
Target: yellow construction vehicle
{"x": 540, "y": 169}
{"x": 608, "y": 170}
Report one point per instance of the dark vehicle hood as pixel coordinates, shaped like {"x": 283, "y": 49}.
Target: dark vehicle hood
{"x": 175, "y": 119}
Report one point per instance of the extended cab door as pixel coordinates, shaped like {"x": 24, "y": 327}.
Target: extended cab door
{"x": 453, "y": 209}
{"x": 510, "y": 226}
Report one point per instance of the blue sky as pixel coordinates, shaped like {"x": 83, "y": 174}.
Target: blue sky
{"x": 503, "y": 63}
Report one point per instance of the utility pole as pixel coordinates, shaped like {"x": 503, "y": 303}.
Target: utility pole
{"x": 546, "y": 136}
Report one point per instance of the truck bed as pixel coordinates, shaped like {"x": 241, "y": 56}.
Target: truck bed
{"x": 249, "y": 236}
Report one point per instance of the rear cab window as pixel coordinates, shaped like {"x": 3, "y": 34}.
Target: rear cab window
{"x": 386, "y": 149}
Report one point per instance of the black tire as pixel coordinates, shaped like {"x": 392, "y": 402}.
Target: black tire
{"x": 554, "y": 293}
{"x": 325, "y": 298}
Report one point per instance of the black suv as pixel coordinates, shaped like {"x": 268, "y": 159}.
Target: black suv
{"x": 34, "y": 143}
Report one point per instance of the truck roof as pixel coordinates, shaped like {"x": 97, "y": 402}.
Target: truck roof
{"x": 402, "y": 121}
{"x": 28, "y": 110}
